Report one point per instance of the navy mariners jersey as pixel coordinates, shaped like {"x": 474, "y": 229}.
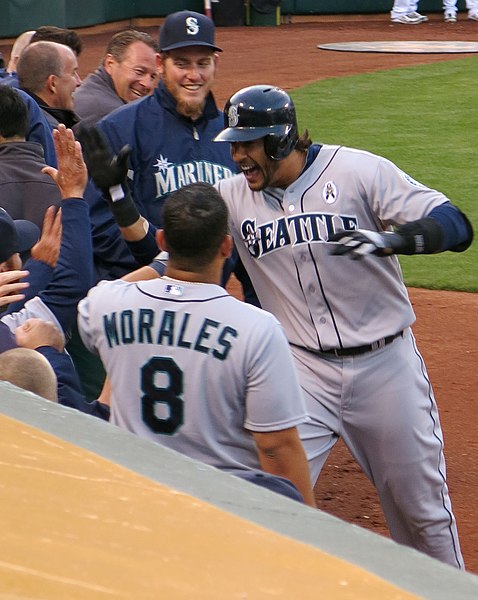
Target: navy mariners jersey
{"x": 326, "y": 301}
{"x": 192, "y": 368}
{"x": 168, "y": 150}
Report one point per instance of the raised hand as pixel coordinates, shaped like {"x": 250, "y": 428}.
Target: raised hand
{"x": 72, "y": 175}
{"x": 47, "y": 249}
{"x": 11, "y": 287}
{"x": 106, "y": 170}
{"x": 109, "y": 174}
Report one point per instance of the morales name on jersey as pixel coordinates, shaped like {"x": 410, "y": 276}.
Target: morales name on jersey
{"x": 168, "y": 328}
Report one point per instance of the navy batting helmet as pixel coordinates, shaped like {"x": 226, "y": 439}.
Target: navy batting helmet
{"x": 261, "y": 111}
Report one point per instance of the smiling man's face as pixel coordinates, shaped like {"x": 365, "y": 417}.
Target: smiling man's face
{"x": 137, "y": 74}
{"x": 188, "y": 74}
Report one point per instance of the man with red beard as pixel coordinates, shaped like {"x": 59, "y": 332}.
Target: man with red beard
{"x": 169, "y": 134}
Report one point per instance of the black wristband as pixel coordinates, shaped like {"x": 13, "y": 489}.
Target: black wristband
{"x": 124, "y": 210}
{"x": 423, "y": 236}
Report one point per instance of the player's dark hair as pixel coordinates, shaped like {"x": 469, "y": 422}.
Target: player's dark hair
{"x": 195, "y": 221}
{"x": 120, "y": 42}
{"x": 304, "y": 142}
{"x": 13, "y": 113}
{"x": 36, "y": 63}
{"x": 51, "y": 33}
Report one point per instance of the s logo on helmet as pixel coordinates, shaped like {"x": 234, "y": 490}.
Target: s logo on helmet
{"x": 192, "y": 27}
{"x": 233, "y": 116}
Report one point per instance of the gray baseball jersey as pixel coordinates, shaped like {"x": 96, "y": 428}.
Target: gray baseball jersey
{"x": 192, "y": 367}
{"x": 280, "y": 236}
{"x": 34, "y": 308}
{"x": 376, "y": 395}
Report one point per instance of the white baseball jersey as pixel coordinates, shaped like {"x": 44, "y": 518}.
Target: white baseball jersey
{"x": 325, "y": 301}
{"x": 378, "y": 400}
{"x": 34, "y": 308}
{"x": 192, "y": 367}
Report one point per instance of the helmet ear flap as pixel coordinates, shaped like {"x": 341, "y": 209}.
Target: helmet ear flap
{"x": 279, "y": 147}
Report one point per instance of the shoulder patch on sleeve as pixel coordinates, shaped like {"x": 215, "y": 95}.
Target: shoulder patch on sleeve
{"x": 414, "y": 182}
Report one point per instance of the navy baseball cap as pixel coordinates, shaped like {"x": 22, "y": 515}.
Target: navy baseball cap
{"x": 16, "y": 236}
{"x": 186, "y": 28}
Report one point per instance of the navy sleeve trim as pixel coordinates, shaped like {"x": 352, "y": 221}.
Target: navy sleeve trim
{"x": 456, "y": 228}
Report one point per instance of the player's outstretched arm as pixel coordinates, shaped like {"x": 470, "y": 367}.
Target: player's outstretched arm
{"x": 109, "y": 173}
{"x": 445, "y": 228}
{"x": 73, "y": 276}
{"x": 281, "y": 453}
{"x": 141, "y": 274}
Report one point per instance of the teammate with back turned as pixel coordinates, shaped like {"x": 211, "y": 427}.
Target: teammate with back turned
{"x": 297, "y": 210}
{"x": 190, "y": 366}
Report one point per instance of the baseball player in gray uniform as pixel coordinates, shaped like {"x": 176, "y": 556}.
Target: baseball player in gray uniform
{"x": 295, "y": 210}
{"x": 190, "y": 366}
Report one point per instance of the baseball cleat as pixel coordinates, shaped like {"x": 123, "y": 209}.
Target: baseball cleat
{"x": 450, "y": 16}
{"x": 473, "y": 15}
{"x": 412, "y": 18}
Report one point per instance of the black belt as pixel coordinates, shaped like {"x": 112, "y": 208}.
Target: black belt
{"x": 362, "y": 349}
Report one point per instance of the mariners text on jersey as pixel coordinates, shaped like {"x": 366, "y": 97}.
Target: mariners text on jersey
{"x": 293, "y": 230}
{"x": 170, "y": 177}
{"x": 168, "y": 328}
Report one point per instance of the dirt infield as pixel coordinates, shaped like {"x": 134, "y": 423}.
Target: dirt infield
{"x": 447, "y": 322}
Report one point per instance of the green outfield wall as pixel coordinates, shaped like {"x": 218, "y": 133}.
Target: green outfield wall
{"x": 20, "y": 15}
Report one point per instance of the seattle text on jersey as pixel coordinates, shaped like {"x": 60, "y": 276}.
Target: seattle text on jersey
{"x": 294, "y": 230}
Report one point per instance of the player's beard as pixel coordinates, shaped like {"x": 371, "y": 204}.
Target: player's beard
{"x": 192, "y": 110}
{"x": 268, "y": 171}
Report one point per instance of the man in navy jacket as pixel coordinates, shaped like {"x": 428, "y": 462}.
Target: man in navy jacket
{"x": 170, "y": 137}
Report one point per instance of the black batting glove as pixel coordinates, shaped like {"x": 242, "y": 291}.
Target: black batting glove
{"x": 109, "y": 173}
{"x": 105, "y": 169}
{"x": 424, "y": 236}
{"x": 360, "y": 242}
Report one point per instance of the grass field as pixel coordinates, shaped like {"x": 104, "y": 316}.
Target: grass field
{"x": 424, "y": 119}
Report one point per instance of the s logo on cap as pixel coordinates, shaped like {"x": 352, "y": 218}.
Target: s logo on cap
{"x": 192, "y": 26}
{"x": 233, "y": 116}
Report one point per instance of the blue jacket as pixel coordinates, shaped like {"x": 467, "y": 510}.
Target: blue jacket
{"x": 61, "y": 289}
{"x": 168, "y": 151}
{"x": 69, "y": 386}
{"x": 39, "y": 129}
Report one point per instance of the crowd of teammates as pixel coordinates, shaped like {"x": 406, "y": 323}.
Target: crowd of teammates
{"x": 175, "y": 358}
{"x": 268, "y": 452}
